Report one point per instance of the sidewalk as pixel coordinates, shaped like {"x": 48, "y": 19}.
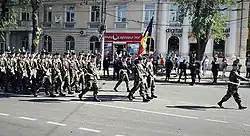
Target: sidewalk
{"x": 207, "y": 79}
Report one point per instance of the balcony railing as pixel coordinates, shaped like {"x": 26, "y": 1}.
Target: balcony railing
{"x": 93, "y": 24}
{"x": 47, "y": 24}
{"x": 69, "y": 24}
{"x": 25, "y": 23}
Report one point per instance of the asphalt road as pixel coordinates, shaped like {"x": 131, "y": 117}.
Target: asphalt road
{"x": 180, "y": 110}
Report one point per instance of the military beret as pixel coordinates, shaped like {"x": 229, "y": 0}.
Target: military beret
{"x": 129, "y": 56}
{"x": 66, "y": 53}
{"x": 46, "y": 53}
{"x": 73, "y": 53}
{"x": 124, "y": 56}
{"x": 57, "y": 53}
{"x": 139, "y": 58}
{"x": 234, "y": 64}
{"x": 93, "y": 56}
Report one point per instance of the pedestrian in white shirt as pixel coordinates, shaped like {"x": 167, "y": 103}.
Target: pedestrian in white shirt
{"x": 205, "y": 63}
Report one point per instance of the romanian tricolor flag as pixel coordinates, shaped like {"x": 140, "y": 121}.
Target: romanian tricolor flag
{"x": 147, "y": 34}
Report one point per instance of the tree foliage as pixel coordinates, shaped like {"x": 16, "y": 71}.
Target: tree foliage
{"x": 9, "y": 10}
{"x": 206, "y": 18}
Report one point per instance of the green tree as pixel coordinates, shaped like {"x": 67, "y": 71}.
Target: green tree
{"x": 206, "y": 18}
{"x": 9, "y": 10}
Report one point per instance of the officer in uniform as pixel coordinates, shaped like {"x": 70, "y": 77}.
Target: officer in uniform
{"x": 151, "y": 76}
{"x": 91, "y": 79}
{"x": 140, "y": 81}
{"x": 233, "y": 86}
{"x": 123, "y": 74}
{"x": 192, "y": 68}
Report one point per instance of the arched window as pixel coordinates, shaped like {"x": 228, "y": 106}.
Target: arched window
{"x": 173, "y": 45}
{"x": 94, "y": 44}
{"x": 70, "y": 43}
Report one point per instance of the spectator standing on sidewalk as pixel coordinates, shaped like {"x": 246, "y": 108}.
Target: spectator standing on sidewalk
{"x": 106, "y": 64}
{"x": 247, "y": 67}
{"x": 198, "y": 70}
{"x": 169, "y": 66}
{"x": 205, "y": 63}
{"x": 224, "y": 66}
{"x": 183, "y": 70}
{"x": 215, "y": 68}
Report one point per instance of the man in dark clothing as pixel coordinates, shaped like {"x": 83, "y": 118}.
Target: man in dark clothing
{"x": 106, "y": 64}
{"x": 233, "y": 86}
{"x": 215, "y": 69}
{"x": 183, "y": 70}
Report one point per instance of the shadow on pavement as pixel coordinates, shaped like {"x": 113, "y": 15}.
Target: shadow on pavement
{"x": 45, "y": 100}
{"x": 105, "y": 98}
{"x": 201, "y": 108}
{"x": 6, "y": 95}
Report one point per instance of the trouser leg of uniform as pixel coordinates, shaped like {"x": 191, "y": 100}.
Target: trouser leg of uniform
{"x": 135, "y": 87}
{"x": 180, "y": 75}
{"x": 153, "y": 87}
{"x": 117, "y": 84}
{"x": 95, "y": 89}
{"x": 237, "y": 98}
{"x": 193, "y": 77}
{"x": 126, "y": 79}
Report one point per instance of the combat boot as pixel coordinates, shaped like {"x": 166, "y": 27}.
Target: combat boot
{"x": 52, "y": 95}
{"x": 153, "y": 96}
{"x": 116, "y": 89}
{"x": 130, "y": 97}
{"x": 96, "y": 99}
{"x": 220, "y": 104}
{"x": 241, "y": 107}
{"x": 148, "y": 97}
{"x": 80, "y": 96}
{"x": 62, "y": 94}
{"x": 145, "y": 100}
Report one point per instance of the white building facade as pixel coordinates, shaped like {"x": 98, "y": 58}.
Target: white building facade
{"x": 73, "y": 24}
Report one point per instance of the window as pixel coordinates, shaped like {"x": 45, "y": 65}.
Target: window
{"x": 149, "y": 10}
{"x": 25, "y": 43}
{"x": 70, "y": 43}
{"x": 47, "y": 14}
{"x": 2, "y": 46}
{"x": 174, "y": 13}
{"x": 121, "y": 13}
{"x": 70, "y": 14}
{"x": 25, "y": 15}
{"x": 95, "y": 14}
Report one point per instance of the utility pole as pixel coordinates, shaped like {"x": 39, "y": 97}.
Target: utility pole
{"x": 102, "y": 28}
{"x": 241, "y": 25}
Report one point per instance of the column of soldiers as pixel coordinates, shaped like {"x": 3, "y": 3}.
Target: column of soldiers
{"x": 144, "y": 78}
{"x": 29, "y": 72}
{"x": 70, "y": 73}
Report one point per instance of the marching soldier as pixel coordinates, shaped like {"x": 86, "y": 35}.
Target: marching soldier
{"x": 151, "y": 76}
{"x": 57, "y": 76}
{"x": 66, "y": 74}
{"x": 74, "y": 73}
{"x": 91, "y": 79}
{"x": 233, "y": 86}
{"x": 123, "y": 74}
{"x": 140, "y": 81}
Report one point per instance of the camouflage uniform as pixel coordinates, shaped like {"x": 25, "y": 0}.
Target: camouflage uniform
{"x": 233, "y": 88}
{"x": 140, "y": 81}
{"x": 123, "y": 74}
{"x": 91, "y": 80}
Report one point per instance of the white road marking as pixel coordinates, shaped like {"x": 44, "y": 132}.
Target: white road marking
{"x": 27, "y": 118}
{"x": 140, "y": 110}
{"x": 219, "y": 121}
{"x": 4, "y": 114}
{"x": 119, "y": 135}
{"x": 56, "y": 123}
{"x": 247, "y": 125}
{"x": 90, "y": 130}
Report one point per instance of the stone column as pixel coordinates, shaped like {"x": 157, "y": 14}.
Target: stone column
{"x": 184, "y": 46}
{"x": 231, "y": 46}
{"x": 30, "y": 40}
{"x": 162, "y": 44}
{"x": 209, "y": 48}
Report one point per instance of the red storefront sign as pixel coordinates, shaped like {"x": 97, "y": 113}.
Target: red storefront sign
{"x": 122, "y": 37}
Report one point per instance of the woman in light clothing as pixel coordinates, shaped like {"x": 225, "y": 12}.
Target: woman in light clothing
{"x": 205, "y": 63}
